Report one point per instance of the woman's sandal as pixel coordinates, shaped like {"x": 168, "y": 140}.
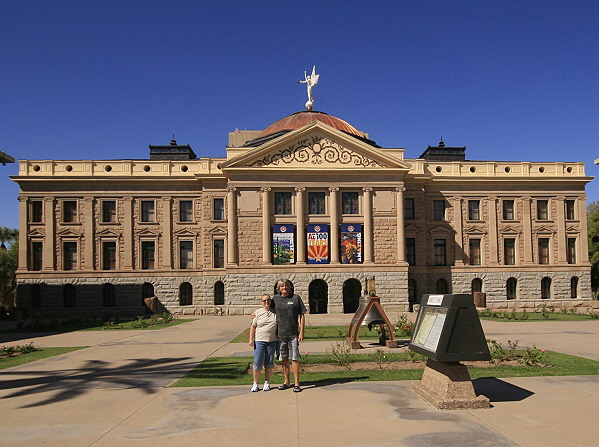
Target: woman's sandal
{"x": 284, "y": 386}
{"x": 297, "y": 389}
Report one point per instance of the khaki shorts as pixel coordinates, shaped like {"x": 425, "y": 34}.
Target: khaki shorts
{"x": 289, "y": 349}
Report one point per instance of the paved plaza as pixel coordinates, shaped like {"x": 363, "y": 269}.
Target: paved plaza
{"x": 115, "y": 393}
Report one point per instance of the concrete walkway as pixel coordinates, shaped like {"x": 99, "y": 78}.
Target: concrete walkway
{"x": 114, "y": 394}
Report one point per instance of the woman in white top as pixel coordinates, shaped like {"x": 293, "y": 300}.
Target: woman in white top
{"x": 263, "y": 338}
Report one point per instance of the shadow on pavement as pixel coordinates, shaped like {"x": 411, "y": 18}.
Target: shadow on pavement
{"x": 498, "y": 390}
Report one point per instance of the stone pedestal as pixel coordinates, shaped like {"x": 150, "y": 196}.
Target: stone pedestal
{"x": 447, "y": 386}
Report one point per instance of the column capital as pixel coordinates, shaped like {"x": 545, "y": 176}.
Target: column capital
{"x": 367, "y": 189}
{"x": 265, "y": 189}
{"x": 48, "y": 199}
{"x": 333, "y": 189}
{"x": 400, "y": 189}
{"x": 22, "y": 198}
{"x": 88, "y": 199}
{"x": 166, "y": 199}
{"x": 300, "y": 189}
{"x": 231, "y": 189}
{"x": 128, "y": 199}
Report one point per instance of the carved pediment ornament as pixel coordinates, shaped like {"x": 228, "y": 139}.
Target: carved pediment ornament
{"x": 218, "y": 230}
{"x": 317, "y": 151}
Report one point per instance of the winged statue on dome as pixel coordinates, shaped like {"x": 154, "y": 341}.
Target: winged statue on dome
{"x": 310, "y": 82}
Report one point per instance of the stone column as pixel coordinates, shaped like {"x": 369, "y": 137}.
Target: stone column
{"x": 231, "y": 226}
{"x": 527, "y": 222}
{"x": 583, "y": 241}
{"x": 128, "y": 248}
{"x": 368, "y": 231}
{"x": 334, "y": 230}
{"x": 459, "y": 233}
{"x": 301, "y": 226}
{"x": 50, "y": 239}
{"x": 89, "y": 237}
{"x": 493, "y": 232}
{"x": 561, "y": 230}
{"x": 266, "y": 235}
{"x": 401, "y": 239}
{"x": 24, "y": 246}
{"x": 167, "y": 233}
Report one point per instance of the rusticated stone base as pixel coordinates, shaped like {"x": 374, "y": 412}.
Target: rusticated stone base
{"x": 447, "y": 386}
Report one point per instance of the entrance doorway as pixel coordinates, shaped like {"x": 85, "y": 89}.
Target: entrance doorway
{"x": 352, "y": 289}
{"x": 318, "y": 296}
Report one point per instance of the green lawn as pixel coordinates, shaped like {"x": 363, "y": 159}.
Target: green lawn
{"x": 227, "y": 371}
{"x": 322, "y": 333}
{"x": 538, "y": 316}
{"x": 38, "y": 354}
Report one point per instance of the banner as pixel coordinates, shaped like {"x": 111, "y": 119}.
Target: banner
{"x": 318, "y": 244}
{"x": 351, "y": 244}
{"x": 283, "y": 244}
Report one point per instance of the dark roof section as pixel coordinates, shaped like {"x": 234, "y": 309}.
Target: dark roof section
{"x": 261, "y": 140}
{"x": 5, "y": 158}
{"x": 444, "y": 153}
{"x": 173, "y": 151}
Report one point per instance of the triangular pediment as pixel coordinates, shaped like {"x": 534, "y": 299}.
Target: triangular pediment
{"x": 221, "y": 229}
{"x": 571, "y": 229}
{"x": 440, "y": 229}
{"x": 509, "y": 230}
{"x": 108, "y": 233}
{"x": 315, "y": 146}
{"x": 543, "y": 229}
{"x": 411, "y": 228}
{"x": 36, "y": 233}
{"x": 68, "y": 233}
{"x": 474, "y": 231}
{"x": 185, "y": 233}
{"x": 147, "y": 232}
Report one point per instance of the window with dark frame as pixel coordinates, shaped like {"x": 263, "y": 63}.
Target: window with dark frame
{"x": 69, "y": 297}
{"x": 36, "y": 211}
{"x": 511, "y": 287}
{"x": 148, "y": 249}
{"x": 185, "y": 254}
{"x": 350, "y": 202}
{"x": 109, "y": 255}
{"x": 440, "y": 252}
{"x": 218, "y": 208}
{"x": 409, "y": 211}
{"x": 411, "y": 250}
{"x": 475, "y": 252}
{"x": 37, "y": 255}
{"x": 509, "y": 251}
{"x": 185, "y": 294}
{"x": 571, "y": 250}
{"x": 218, "y": 253}
{"x": 570, "y": 209}
{"x": 508, "y": 210}
{"x": 185, "y": 211}
{"x": 316, "y": 202}
{"x": 69, "y": 253}
{"x": 473, "y": 209}
{"x": 574, "y": 287}
{"x": 108, "y": 295}
{"x": 148, "y": 211}
{"x": 438, "y": 209}
{"x": 283, "y": 203}
{"x": 36, "y": 296}
{"x": 69, "y": 211}
{"x": 546, "y": 288}
{"x": 219, "y": 293}
{"x": 109, "y": 211}
{"x": 543, "y": 250}
{"x": 542, "y": 210}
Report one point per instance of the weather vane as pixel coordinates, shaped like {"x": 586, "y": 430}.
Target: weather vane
{"x": 310, "y": 82}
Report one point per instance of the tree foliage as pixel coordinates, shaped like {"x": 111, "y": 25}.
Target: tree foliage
{"x": 9, "y": 260}
{"x": 593, "y": 227}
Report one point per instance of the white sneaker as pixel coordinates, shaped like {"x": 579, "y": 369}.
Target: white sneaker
{"x": 266, "y": 386}
{"x": 255, "y": 388}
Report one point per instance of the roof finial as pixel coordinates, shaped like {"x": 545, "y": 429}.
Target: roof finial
{"x": 441, "y": 143}
{"x": 173, "y": 141}
{"x": 310, "y": 82}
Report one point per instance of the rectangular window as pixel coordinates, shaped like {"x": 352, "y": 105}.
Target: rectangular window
{"x": 475, "y": 252}
{"x": 542, "y": 210}
{"x": 109, "y": 211}
{"x": 282, "y": 203}
{"x": 218, "y": 209}
{"x": 147, "y": 255}
{"x": 349, "y": 202}
{"x": 440, "y": 252}
{"x": 508, "y": 210}
{"x": 438, "y": 209}
{"x": 570, "y": 215}
{"x": 185, "y": 211}
{"x": 411, "y": 250}
{"x": 316, "y": 203}
{"x": 571, "y": 250}
{"x": 148, "y": 211}
{"x": 185, "y": 254}
{"x": 509, "y": 251}
{"x": 409, "y": 209}
{"x": 473, "y": 209}
{"x": 108, "y": 255}
{"x": 219, "y": 253}
{"x": 35, "y": 211}
{"x": 69, "y": 253}
{"x": 37, "y": 256}
{"x": 543, "y": 250}
{"x": 69, "y": 211}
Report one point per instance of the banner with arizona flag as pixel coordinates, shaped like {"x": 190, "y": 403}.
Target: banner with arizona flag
{"x": 351, "y": 244}
{"x": 283, "y": 244}
{"x": 318, "y": 244}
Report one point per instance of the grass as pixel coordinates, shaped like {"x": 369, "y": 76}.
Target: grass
{"x": 38, "y": 354}
{"x": 227, "y": 371}
{"x": 321, "y": 333}
{"x": 538, "y": 316}
{"x": 94, "y": 325}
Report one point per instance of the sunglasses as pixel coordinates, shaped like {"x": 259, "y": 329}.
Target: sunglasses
{"x": 265, "y": 301}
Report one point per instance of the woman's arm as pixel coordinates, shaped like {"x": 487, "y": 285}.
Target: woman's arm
{"x": 252, "y": 334}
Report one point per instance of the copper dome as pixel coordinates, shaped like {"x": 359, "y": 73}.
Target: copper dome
{"x": 304, "y": 117}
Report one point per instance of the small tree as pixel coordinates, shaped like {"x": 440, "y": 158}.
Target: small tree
{"x": 593, "y": 228}
{"x": 9, "y": 260}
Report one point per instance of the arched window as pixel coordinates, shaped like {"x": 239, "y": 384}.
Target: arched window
{"x": 574, "y": 287}
{"x": 546, "y": 288}
{"x": 352, "y": 289}
{"x": 69, "y": 295}
{"x": 219, "y": 293}
{"x": 477, "y": 285}
{"x": 185, "y": 294}
{"x": 36, "y": 296}
{"x": 108, "y": 295}
{"x": 318, "y": 296}
{"x": 441, "y": 286}
{"x": 147, "y": 290}
{"x": 511, "y": 287}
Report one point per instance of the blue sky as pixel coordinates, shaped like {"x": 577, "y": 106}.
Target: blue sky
{"x": 510, "y": 80}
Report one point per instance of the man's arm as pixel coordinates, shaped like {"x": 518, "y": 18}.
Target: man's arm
{"x": 302, "y": 322}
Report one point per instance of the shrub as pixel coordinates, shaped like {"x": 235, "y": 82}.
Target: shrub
{"x": 340, "y": 353}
